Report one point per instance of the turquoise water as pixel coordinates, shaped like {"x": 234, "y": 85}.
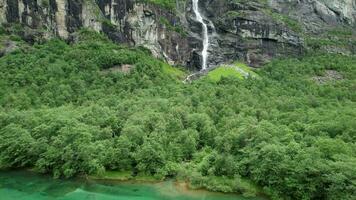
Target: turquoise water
{"x": 21, "y": 185}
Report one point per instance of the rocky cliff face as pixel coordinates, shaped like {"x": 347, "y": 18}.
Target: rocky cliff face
{"x": 253, "y": 31}
{"x": 246, "y": 32}
{"x": 317, "y": 15}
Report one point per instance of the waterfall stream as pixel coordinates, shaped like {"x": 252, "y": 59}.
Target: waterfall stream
{"x": 200, "y": 19}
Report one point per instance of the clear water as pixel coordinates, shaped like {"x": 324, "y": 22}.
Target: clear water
{"x": 21, "y": 185}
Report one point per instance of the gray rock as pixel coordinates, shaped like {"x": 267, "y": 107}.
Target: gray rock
{"x": 329, "y": 76}
{"x": 243, "y": 30}
{"x": 7, "y": 47}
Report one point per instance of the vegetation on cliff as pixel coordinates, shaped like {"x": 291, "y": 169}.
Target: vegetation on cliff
{"x": 63, "y": 113}
{"x": 169, "y": 4}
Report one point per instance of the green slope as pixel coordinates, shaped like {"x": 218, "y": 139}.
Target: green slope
{"x": 283, "y": 134}
{"x": 237, "y": 70}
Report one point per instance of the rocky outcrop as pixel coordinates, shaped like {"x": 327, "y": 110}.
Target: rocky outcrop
{"x": 124, "y": 21}
{"x": 7, "y": 46}
{"x": 245, "y": 32}
{"x": 318, "y": 15}
{"x": 154, "y": 33}
{"x": 252, "y": 31}
{"x": 145, "y": 25}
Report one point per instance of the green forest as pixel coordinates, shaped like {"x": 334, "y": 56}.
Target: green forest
{"x": 282, "y": 133}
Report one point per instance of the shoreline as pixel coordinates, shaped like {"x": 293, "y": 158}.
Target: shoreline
{"x": 177, "y": 186}
{"x": 173, "y": 188}
{"x": 169, "y": 187}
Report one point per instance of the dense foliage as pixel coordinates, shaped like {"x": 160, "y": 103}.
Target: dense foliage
{"x": 63, "y": 112}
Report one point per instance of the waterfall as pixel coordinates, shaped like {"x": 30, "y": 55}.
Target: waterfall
{"x": 199, "y": 18}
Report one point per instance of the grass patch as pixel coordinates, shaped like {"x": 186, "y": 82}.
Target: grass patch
{"x": 167, "y": 4}
{"x": 237, "y": 70}
{"x": 224, "y": 71}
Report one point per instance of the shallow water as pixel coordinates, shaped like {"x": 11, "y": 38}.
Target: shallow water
{"x": 22, "y": 185}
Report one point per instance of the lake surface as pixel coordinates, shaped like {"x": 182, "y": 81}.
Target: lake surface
{"x": 22, "y": 185}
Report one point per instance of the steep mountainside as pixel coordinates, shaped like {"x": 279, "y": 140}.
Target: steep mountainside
{"x": 95, "y": 108}
{"x": 253, "y": 31}
{"x": 81, "y": 97}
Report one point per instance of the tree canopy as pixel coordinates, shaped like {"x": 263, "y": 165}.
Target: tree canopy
{"x": 283, "y": 134}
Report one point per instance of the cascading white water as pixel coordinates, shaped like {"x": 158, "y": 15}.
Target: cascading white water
{"x": 199, "y": 18}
